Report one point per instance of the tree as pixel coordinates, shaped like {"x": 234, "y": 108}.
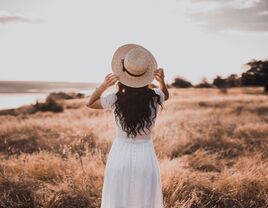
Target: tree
{"x": 181, "y": 83}
{"x": 204, "y": 83}
{"x": 220, "y": 82}
{"x": 256, "y": 75}
{"x": 233, "y": 80}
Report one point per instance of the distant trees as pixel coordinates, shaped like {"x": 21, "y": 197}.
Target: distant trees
{"x": 257, "y": 74}
{"x": 219, "y": 82}
{"x": 232, "y": 80}
{"x": 204, "y": 84}
{"x": 181, "y": 83}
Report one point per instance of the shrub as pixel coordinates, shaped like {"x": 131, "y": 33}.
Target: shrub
{"x": 49, "y": 105}
{"x": 65, "y": 96}
{"x": 181, "y": 83}
{"x": 204, "y": 84}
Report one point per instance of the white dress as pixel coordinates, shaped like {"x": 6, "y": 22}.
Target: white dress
{"x": 132, "y": 175}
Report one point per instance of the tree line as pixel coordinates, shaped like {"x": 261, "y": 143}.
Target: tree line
{"x": 255, "y": 75}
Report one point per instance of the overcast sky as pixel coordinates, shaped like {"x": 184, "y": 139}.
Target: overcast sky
{"x": 74, "y": 40}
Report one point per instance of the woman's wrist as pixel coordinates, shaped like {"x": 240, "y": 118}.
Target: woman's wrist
{"x": 103, "y": 86}
{"x": 162, "y": 82}
{"x": 100, "y": 89}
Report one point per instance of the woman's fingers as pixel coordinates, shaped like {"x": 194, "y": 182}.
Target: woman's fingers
{"x": 112, "y": 78}
{"x": 159, "y": 74}
{"x": 158, "y": 77}
{"x": 108, "y": 75}
{"x": 159, "y": 71}
{"x": 114, "y": 81}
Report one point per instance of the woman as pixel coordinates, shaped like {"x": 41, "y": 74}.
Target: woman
{"x": 132, "y": 177}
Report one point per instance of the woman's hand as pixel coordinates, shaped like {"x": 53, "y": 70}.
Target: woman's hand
{"x": 110, "y": 80}
{"x": 94, "y": 101}
{"x": 159, "y": 75}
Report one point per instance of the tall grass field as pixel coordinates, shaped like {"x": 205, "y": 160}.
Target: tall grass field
{"x": 212, "y": 148}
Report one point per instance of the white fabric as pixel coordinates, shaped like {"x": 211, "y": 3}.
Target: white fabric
{"x": 162, "y": 95}
{"x": 132, "y": 175}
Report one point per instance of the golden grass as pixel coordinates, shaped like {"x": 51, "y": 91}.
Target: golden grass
{"x": 211, "y": 146}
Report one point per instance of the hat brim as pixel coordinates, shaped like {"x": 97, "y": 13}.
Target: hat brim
{"x": 124, "y": 77}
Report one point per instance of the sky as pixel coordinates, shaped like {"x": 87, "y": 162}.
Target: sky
{"x": 74, "y": 40}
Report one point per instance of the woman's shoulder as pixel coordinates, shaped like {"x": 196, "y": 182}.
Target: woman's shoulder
{"x": 108, "y": 99}
{"x": 160, "y": 93}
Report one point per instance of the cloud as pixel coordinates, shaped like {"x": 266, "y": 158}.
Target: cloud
{"x": 238, "y": 15}
{"x": 6, "y": 18}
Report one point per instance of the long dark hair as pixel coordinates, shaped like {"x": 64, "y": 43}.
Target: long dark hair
{"x": 132, "y": 107}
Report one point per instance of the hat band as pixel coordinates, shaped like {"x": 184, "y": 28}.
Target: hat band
{"x": 134, "y": 75}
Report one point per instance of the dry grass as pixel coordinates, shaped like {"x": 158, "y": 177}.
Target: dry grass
{"x": 211, "y": 146}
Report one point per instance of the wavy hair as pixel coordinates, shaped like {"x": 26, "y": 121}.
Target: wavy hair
{"x": 132, "y": 107}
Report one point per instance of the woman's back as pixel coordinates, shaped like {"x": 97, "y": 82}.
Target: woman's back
{"x": 108, "y": 103}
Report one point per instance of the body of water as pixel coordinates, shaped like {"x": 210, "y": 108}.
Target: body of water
{"x": 14, "y": 94}
{"x": 14, "y": 100}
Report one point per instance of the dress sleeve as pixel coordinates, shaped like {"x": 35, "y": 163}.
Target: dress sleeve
{"x": 108, "y": 100}
{"x": 160, "y": 92}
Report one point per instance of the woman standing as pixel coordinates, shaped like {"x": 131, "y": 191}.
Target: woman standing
{"x": 132, "y": 175}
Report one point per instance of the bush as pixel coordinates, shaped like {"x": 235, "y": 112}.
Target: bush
{"x": 232, "y": 80}
{"x": 65, "y": 96}
{"x": 181, "y": 83}
{"x": 204, "y": 84}
{"x": 49, "y": 105}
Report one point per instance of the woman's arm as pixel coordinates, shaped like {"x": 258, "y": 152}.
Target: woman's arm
{"x": 159, "y": 76}
{"x": 94, "y": 101}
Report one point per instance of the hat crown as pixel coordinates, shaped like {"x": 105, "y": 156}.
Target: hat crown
{"x": 137, "y": 61}
{"x": 134, "y": 65}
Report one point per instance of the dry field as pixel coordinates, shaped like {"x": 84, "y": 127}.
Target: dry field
{"x": 212, "y": 149}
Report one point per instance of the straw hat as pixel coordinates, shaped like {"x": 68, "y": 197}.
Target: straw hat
{"x": 134, "y": 65}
